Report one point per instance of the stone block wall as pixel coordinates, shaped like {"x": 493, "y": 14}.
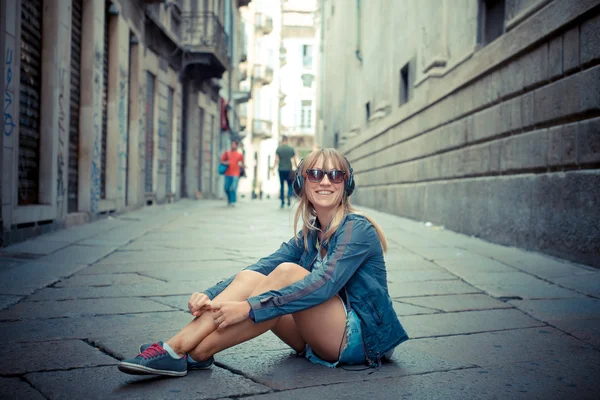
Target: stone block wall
{"x": 505, "y": 146}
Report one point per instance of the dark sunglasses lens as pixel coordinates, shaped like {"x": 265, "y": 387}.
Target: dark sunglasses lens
{"x": 336, "y": 176}
{"x": 315, "y": 175}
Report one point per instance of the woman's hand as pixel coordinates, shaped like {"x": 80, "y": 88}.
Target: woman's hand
{"x": 198, "y": 303}
{"x": 230, "y": 313}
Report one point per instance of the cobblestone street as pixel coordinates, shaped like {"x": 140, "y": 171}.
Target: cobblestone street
{"x": 485, "y": 321}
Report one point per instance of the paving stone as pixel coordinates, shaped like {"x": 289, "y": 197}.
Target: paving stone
{"x": 27, "y": 278}
{"x": 588, "y": 283}
{"x": 160, "y": 268}
{"x": 541, "y": 265}
{"x": 193, "y": 274}
{"x": 476, "y": 264}
{"x": 57, "y": 355}
{"x": 409, "y": 309}
{"x": 442, "y": 253}
{"x": 282, "y": 370}
{"x": 499, "y": 278}
{"x": 7, "y": 301}
{"x": 41, "y": 247}
{"x": 526, "y": 381}
{"x": 109, "y": 383}
{"x": 7, "y": 262}
{"x": 126, "y": 346}
{"x": 408, "y": 264}
{"x": 541, "y": 290}
{"x": 417, "y": 276}
{"x": 76, "y": 254}
{"x": 419, "y": 326}
{"x": 95, "y": 242}
{"x": 85, "y": 327}
{"x": 501, "y": 348}
{"x": 163, "y": 256}
{"x": 457, "y": 302}
{"x": 105, "y": 280}
{"x": 560, "y": 309}
{"x": 80, "y": 308}
{"x": 430, "y": 288}
{"x": 17, "y": 389}
{"x": 178, "y": 302}
{"x": 587, "y": 330}
{"x": 139, "y": 290}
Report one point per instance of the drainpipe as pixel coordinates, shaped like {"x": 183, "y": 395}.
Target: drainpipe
{"x": 357, "y": 53}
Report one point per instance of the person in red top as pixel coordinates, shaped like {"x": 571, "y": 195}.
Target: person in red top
{"x": 233, "y": 159}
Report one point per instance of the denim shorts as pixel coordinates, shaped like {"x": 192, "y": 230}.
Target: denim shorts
{"x": 354, "y": 350}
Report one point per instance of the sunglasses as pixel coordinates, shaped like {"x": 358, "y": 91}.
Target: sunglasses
{"x": 317, "y": 175}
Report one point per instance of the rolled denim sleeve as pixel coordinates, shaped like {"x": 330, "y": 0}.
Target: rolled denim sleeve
{"x": 352, "y": 248}
{"x": 290, "y": 251}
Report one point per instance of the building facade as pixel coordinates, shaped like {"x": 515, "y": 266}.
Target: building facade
{"x": 262, "y": 21}
{"x": 112, "y": 105}
{"x": 298, "y": 74}
{"x": 481, "y": 116}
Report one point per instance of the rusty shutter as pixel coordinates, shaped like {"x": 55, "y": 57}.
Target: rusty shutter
{"x": 169, "y": 146}
{"x": 74, "y": 122}
{"x": 29, "y": 107}
{"x": 104, "y": 104}
{"x": 149, "y": 156}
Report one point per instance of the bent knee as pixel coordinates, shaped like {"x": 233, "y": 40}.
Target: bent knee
{"x": 247, "y": 276}
{"x": 289, "y": 271}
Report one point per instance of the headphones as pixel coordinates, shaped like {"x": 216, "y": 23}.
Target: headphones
{"x": 298, "y": 183}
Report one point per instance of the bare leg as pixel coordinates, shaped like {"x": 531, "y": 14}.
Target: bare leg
{"x": 240, "y": 289}
{"x": 324, "y": 325}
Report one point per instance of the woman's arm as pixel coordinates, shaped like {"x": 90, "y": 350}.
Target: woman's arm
{"x": 353, "y": 247}
{"x": 288, "y": 252}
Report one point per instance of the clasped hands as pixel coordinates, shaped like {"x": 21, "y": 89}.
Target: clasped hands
{"x": 224, "y": 314}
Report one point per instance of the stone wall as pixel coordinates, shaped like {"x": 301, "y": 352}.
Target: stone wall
{"x": 503, "y": 144}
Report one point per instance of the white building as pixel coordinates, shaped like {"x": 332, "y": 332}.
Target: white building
{"x": 298, "y": 74}
{"x": 262, "y": 20}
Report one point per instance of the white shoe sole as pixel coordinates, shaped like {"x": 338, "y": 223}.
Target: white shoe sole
{"x": 135, "y": 369}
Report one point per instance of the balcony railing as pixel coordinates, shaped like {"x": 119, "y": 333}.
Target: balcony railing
{"x": 263, "y": 23}
{"x": 262, "y": 74}
{"x": 262, "y": 129}
{"x": 204, "y": 40}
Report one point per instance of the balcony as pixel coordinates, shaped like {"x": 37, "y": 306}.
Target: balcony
{"x": 262, "y": 74}
{"x": 204, "y": 43}
{"x": 263, "y": 23}
{"x": 262, "y": 129}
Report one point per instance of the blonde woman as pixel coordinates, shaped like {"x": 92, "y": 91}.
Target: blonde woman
{"x": 324, "y": 292}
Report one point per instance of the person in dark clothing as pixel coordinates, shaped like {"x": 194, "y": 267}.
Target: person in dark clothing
{"x": 285, "y": 158}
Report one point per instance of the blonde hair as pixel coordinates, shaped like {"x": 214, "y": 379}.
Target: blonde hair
{"x": 307, "y": 211}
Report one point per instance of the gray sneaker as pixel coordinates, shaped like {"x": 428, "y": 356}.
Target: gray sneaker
{"x": 190, "y": 364}
{"x": 154, "y": 360}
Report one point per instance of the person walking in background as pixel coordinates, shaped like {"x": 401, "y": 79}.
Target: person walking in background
{"x": 285, "y": 158}
{"x": 235, "y": 162}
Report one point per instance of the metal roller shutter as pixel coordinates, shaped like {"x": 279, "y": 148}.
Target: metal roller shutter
{"x": 29, "y": 107}
{"x": 104, "y": 104}
{"x": 149, "y": 156}
{"x": 169, "y": 147}
{"x": 75, "y": 89}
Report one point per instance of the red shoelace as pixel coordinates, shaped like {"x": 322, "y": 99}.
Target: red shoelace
{"x": 153, "y": 351}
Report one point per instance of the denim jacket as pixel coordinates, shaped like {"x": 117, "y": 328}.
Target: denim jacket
{"x": 354, "y": 261}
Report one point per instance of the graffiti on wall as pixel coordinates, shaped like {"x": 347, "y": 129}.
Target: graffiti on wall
{"x": 9, "y": 125}
{"x": 97, "y": 120}
{"x": 122, "y": 167}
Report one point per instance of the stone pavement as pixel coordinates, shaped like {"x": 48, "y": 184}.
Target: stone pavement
{"x": 485, "y": 321}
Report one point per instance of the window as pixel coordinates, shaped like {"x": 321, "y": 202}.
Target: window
{"x": 404, "y": 84}
{"x": 491, "y": 20}
{"x": 306, "y": 114}
{"x": 307, "y": 58}
{"x": 368, "y": 110}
